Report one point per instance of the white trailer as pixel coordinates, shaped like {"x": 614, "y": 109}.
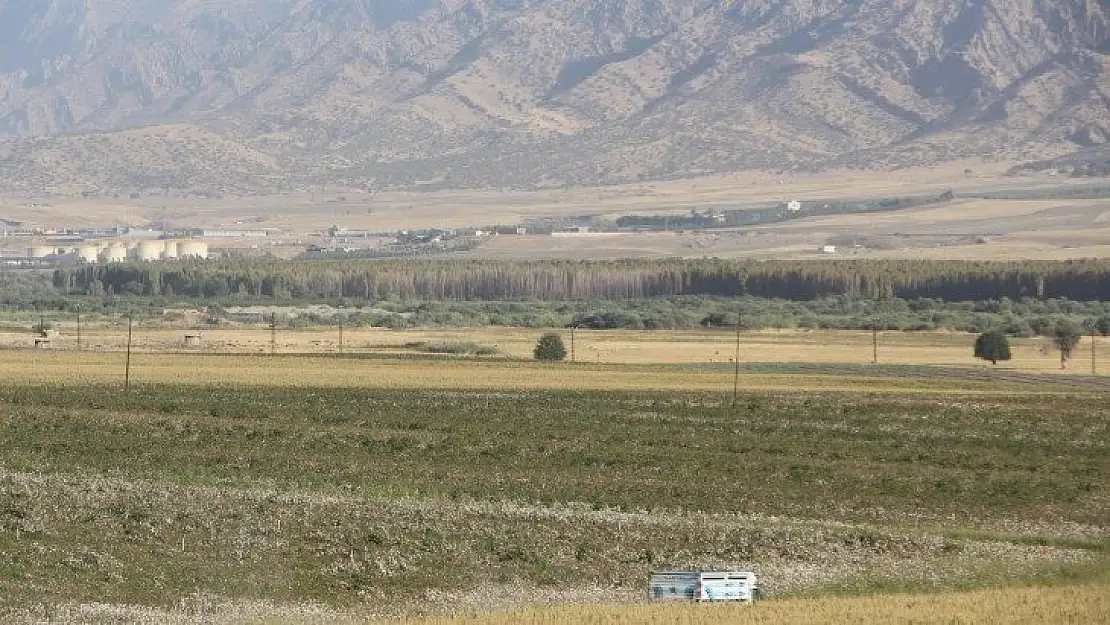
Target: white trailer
{"x": 704, "y": 586}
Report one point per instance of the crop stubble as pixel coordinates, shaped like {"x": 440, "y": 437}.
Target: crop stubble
{"x": 292, "y": 496}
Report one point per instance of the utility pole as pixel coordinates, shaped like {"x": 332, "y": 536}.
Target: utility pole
{"x": 127, "y": 366}
{"x": 736, "y": 364}
{"x": 78, "y": 327}
{"x": 875, "y": 343}
{"x": 341, "y": 337}
{"x": 572, "y": 343}
{"x": 273, "y": 333}
{"x": 1094, "y": 343}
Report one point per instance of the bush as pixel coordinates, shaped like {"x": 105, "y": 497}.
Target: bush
{"x": 458, "y": 349}
{"x": 992, "y": 346}
{"x": 550, "y": 348}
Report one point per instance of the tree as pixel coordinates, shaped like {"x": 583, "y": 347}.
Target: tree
{"x": 1102, "y": 325}
{"x": 1066, "y": 337}
{"x": 550, "y": 348}
{"x": 993, "y": 346}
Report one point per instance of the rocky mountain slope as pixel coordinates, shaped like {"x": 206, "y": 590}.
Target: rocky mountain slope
{"x": 263, "y": 95}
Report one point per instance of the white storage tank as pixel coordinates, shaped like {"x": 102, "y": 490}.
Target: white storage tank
{"x": 170, "y": 252}
{"x": 41, "y": 251}
{"x": 150, "y": 250}
{"x": 193, "y": 249}
{"x": 88, "y": 254}
{"x": 114, "y": 253}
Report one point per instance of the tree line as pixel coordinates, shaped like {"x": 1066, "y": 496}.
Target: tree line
{"x": 473, "y": 280}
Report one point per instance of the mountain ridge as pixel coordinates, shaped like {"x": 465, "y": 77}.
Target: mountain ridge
{"x": 471, "y": 93}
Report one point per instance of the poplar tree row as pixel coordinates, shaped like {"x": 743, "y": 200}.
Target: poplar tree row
{"x": 1083, "y": 280}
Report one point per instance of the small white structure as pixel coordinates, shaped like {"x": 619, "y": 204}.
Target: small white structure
{"x": 41, "y": 251}
{"x": 169, "y": 251}
{"x": 704, "y": 586}
{"x": 828, "y": 249}
{"x": 793, "y": 206}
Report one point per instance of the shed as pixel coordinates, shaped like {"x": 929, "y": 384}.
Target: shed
{"x": 194, "y": 339}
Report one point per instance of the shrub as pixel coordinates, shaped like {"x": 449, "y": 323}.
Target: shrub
{"x": 550, "y": 348}
{"x": 458, "y": 349}
{"x": 1102, "y": 325}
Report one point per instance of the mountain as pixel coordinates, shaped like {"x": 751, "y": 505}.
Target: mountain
{"x": 253, "y": 96}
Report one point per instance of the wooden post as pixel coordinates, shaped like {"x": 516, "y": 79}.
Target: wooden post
{"x": 1094, "y": 343}
{"x": 736, "y": 363}
{"x": 127, "y": 366}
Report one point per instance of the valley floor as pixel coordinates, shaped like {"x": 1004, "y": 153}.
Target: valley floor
{"x": 230, "y": 488}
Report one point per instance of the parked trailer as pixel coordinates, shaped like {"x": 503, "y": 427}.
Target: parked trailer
{"x": 704, "y": 586}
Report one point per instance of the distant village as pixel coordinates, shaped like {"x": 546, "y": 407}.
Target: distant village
{"x": 55, "y": 247}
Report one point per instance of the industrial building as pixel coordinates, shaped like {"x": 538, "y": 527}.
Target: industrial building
{"x": 148, "y": 250}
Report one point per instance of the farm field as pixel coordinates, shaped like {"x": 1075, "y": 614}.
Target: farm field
{"x": 1048, "y": 606}
{"x": 231, "y": 488}
{"x": 391, "y": 371}
{"x": 952, "y": 349}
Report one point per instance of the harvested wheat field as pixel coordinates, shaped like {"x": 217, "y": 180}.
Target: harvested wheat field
{"x": 952, "y": 349}
{"x": 1043, "y": 606}
{"x": 285, "y": 489}
{"x": 230, "y": 488}
{"x": 65, "y": 368}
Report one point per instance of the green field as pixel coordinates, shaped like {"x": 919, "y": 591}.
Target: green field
{"x": 242, "y": 500}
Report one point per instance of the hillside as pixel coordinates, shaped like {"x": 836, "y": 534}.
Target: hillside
{"x": 269, "y": 95}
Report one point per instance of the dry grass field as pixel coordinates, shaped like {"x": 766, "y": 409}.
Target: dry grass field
{"x": 1015, "y": 229}
{"x": 646, "y": 347}
{"x": 306, "y": 212}
{"x": 250, "y": 488}
{"x": 1068, "y": 605}
{"x": 1084, "y": 604}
